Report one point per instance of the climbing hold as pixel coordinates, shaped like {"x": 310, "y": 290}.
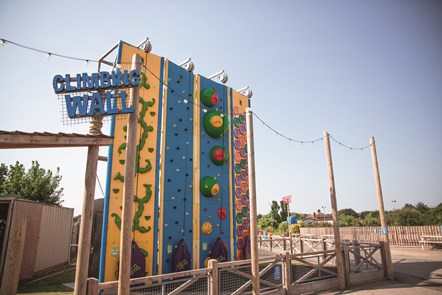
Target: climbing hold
{"x": 209, "y": 187}
{"x": 222, "y": 213}
{"x": 239, "y": 230}
{"x": 218, "y": 155}
{"x": 214, "y": 124}
{"x": 209, "y": 97}
{"x": 207, "y": 228}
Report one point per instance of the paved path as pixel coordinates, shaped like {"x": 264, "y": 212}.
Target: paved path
{"x": 417, "y": 272}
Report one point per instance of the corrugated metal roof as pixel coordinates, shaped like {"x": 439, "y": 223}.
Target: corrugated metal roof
{"x": 20, "y": 139}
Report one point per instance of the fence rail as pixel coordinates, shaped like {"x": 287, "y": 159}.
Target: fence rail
{"x": 283, "y": 273}
{"x": 397, "y": 235}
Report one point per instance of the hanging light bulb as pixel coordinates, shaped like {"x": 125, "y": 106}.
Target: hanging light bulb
{"x": 3, "y": 42}
{"x": 87, "y": 62}
{"x": 49, "y": 55}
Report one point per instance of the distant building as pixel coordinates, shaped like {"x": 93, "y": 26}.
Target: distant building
{"x": 318, "y": 216}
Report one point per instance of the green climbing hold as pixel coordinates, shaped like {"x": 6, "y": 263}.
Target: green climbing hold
{"x": 209, "y": 97}
{"x": 238, "y": 168}
{"x": 119, "y": 177}
{"x": 209, "y": 187}
{"x": 215, "y": 124}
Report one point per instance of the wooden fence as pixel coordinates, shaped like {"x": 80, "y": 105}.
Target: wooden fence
{"x": 398, "y": 235}
{"x": 284, "y": 273}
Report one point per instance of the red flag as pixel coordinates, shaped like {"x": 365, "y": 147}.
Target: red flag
{"x": 287, "y": 199}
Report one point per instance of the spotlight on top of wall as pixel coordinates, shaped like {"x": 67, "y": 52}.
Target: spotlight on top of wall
{"x": 188, "y": 65}
{"x": 246, "y": 91}
{"x": 146, "y": 46}
{"x": 221, "y": 75}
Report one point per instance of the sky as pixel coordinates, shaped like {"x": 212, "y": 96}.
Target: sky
{"x": 356, "y": 69}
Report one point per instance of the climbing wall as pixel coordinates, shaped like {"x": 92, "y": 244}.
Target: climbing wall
{"x": 176, "y": 189}
{"x": 214, "y": 194}
{"x": 240, "y": 178}
{"x": 191, "y": 179}
{"x": 144, "y": 231}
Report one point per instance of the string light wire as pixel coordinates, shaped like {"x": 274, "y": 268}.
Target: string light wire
{"x": 47, "y": 53}
{"x": 87, "y": 61}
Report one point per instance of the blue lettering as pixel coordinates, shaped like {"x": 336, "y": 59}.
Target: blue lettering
{"x": 134, "y": 77}
{"x": 69, "y": 88}
{"x": 124, "y": 109}
{"x": 76, "y": 102}
{"x": 111, "y": 110}
{"x": 57, "y": 83}
{"x": 78, "y": 81}
{"x": 119, "y": 79}
{"x": 104, "y": 80}
{"x": 95, "y": 81}
{"x": 96, "y": 104}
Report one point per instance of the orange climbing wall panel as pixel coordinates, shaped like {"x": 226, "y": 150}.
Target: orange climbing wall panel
{"x": 145, "y": 199}
{"x": 240, "y": 178}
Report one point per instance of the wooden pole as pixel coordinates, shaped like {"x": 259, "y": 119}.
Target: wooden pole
{"x": 331, "y": 181}
{"x": 212, "y": 264}
{"x": 377, "y": 179}
{"x": 84, "y": 243}
{"x": 128, "y": 190}
{"x": 252, "y": 200}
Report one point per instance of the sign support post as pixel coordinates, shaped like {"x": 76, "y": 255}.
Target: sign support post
{"x": 84, "y": 243}
{"x": 128, "y": 193}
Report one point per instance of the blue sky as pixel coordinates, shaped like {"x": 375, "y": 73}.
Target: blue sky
{"x": 354, "y": 68}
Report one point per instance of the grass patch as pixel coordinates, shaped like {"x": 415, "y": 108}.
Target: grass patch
{"x": 50, "y": 283}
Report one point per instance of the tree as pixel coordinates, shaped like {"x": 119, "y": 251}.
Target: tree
{"x": 37, "y": 184}
{"x": 348, "y": 211}
{"x": 282, "y": 229}
{"x": 275, "y": 211}
{"x": 266, "y": 222}
{"x": 347, "y": 220}
{"x": 284, "y": 211}
{"x": 422, "y": 207}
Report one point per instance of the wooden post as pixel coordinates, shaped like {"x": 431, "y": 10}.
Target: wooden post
{"x": 388, "y": 264}
{"x": 252, "y": 200}
{"x": 271, "y": 243}
{"x": 84, "y": 243}
{"x": 212, "y": 264}
{"x": 331, "y": 181}
{"x": 14, "y": 255}
{"x": 128, "y": 190}
{"x": 291, "y": 243}
{"x": 287, "y": 272}
{"x": 301, "y": 245}
{"x": 92, "y": 286}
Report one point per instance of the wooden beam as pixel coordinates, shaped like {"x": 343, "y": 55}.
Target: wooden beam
{"x": 20, "y": 140}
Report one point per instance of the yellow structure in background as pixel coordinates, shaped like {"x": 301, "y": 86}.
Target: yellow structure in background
{"x": 146, "y": 166}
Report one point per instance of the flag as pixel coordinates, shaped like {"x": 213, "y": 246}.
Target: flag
{"x": 287, "y": 199}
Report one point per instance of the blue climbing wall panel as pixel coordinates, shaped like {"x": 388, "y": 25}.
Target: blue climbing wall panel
{"x": 214, "y": 210}
{"x": 176, "y": 190}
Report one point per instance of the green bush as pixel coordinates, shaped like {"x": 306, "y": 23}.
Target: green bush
{"x": 295, "y": 228}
